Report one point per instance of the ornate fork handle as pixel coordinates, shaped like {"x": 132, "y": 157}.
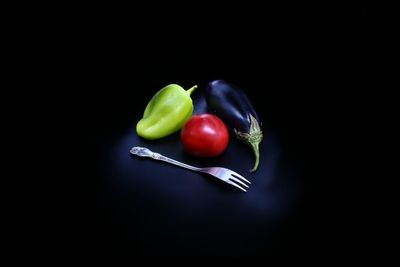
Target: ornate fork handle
{"x": 145, "y": 152}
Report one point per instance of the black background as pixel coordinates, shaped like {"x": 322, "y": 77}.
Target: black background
{"x": 305, "y": 71}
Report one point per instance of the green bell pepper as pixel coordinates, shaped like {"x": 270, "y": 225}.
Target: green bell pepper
{"x": 166, "y": 112}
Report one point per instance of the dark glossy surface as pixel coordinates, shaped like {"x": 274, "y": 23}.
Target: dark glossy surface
{"x": 172, "y": 212}
{"x": 231, "y": 104}
{"x": 304, "y": 77}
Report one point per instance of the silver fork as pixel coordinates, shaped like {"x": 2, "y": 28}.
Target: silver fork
{"x": 221, "y": 173}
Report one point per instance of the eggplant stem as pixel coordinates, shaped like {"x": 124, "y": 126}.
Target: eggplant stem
{"x": 252, "y": 138}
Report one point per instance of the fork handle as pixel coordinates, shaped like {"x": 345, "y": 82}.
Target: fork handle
{"x": 145, "y": 152}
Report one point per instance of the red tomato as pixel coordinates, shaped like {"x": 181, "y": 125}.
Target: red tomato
{"x": 204, "y": 135}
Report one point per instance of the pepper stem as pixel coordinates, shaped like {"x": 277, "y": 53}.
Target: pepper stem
{"x": 190, "y": 91}
{"x": 252, "y": 138}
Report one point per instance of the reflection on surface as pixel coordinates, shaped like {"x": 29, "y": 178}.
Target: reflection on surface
{"x": 160, "y": 205}
{"x": 271, "y": 193}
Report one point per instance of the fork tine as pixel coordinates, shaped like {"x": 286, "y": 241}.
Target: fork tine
{"x": 232, "y": 183}
{"x": 238, "y": 181}
{"x": 240, "y": 177}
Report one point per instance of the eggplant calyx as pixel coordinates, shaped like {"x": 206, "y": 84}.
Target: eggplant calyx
{"x": 252, "y": 138}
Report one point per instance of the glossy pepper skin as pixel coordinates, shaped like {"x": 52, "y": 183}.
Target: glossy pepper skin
{"x": 232, "y": 105}
{"x": 166, "y": 112}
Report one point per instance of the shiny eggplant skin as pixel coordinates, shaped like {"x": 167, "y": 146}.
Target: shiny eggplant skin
{"x": 232, "y": 105}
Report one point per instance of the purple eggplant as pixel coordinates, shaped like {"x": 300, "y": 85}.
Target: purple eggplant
{"x": 232, "y": 105}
